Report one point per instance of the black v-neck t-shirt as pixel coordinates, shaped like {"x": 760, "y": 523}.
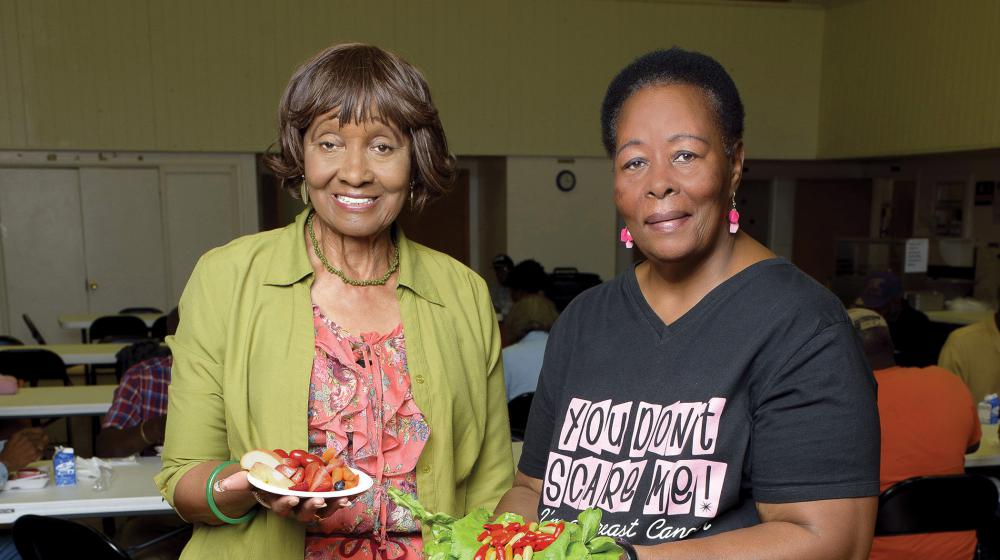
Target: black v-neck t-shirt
{"x": 759, "y": 393}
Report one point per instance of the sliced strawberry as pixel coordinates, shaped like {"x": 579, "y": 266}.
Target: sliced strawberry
{"x": 280, "y": 452}
{"x": 322, "y": 482}
{"x": 299, "y": 475}
{"x": 299, "y": 487}
{"x": 291, "y": 462}
{"x": 310, "y": 473}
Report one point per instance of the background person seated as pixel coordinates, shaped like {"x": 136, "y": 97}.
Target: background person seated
{"x": 23, "y": 447}
{"x": 929, "y": 423}
{"x": 973, "y": 353}
{"x": 137, "y": 419}
{"x": 136, "y": 423}
{"x": 527, "y": 330}
{"x": 912, "y": 335}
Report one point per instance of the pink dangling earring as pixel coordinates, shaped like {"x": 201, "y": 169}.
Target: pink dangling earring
{"x": 626, "y": 237}
{"x": 734, "y": 217}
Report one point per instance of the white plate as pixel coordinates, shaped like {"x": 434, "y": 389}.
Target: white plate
{"x": 364, "y": 483}
{"x": 28, "y": 483}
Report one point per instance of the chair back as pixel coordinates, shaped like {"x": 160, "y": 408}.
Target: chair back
{"x": 137, "y": 352}
{"x": 565, "y": 283}
{"x": 518, "y": 409}
{"x": 117, "y": 327}
{"x": 49, "y": 538}
{"x": 134, "y": 310}
{"x": 934, "y": 504}
{"x": 33, "y": 365}
{"x": 159, "y": 328}
{"x": 33, "y": 329}
{"x": 6, "y": 340}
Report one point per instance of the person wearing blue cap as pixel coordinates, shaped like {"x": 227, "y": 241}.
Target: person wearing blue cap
{"x": 910, "y": 328}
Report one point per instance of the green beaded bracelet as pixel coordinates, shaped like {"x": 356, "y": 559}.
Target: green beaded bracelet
{"x": 211, "y": 499}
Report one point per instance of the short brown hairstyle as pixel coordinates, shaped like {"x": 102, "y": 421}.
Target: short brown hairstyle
{"x": 361, "y": 82}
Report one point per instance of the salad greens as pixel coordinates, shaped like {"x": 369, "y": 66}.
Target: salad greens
{"x": 509, "y": 537}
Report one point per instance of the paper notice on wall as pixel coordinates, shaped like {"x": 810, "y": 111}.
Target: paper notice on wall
{"x": 915, "y": 259}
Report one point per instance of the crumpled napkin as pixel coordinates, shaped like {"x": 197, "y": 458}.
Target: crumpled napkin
{"x": 100, "y": 470}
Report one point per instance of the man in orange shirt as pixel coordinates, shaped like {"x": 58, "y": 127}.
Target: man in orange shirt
{"x": 929, "y": 422}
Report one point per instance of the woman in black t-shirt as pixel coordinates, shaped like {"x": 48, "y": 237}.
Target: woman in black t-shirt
{"x": 713, "y": 401}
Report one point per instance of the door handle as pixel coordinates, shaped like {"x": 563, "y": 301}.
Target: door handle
{"x": 92, "y": 286}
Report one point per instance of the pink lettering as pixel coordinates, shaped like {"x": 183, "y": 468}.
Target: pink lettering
{"x": 573, "y": 424}
{"x": 645, "y": 419}
{"x": 556, "y": 477}
{"x": 705, "y": 442}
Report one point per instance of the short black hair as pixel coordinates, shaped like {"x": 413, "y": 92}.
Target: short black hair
{"x": 528, "y": 276}
{"x": 675, "y": 66}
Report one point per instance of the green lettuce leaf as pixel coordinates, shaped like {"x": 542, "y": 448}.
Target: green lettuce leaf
{"x": 590, "y": 522}
{"x": 464, "y": 532}
{"x": 457, "y": 539}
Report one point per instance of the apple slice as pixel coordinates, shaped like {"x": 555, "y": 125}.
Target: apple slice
{"x": 265, "y": 456}
{"x": 289, "y": 472}
{"x": 268, "y": 475}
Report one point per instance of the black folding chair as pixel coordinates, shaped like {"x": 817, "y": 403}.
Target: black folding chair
{"x": 936, "y": 504}
{"x": 119, "y": 328}
{"x": 134, "y": 310}
{"x": 6, "y": 340}
{"x": 33, "y": 329}
{"x": 33, "y": 365}
{"x": 517, "y": 410}
{"x": 38, "y": 537}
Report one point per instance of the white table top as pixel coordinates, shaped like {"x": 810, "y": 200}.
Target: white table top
{"x": 84, "y": 320}
{"x": 41, "y": 402}
{"x": 102, "y": 353}
{"x": 958, "y": 317}
{"x": 132, "y": 491}
{"x": 988, "y": 454}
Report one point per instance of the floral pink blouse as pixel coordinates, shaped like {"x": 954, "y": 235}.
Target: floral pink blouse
{"x": 360, "y": 404}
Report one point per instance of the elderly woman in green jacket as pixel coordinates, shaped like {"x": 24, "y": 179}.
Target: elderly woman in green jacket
{"x": 337, "y": 334}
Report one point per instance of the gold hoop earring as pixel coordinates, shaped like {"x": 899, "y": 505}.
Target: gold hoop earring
{"x": 304, "y": 191}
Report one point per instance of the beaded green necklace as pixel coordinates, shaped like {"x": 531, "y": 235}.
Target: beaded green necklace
{"x": 393, "y": 265}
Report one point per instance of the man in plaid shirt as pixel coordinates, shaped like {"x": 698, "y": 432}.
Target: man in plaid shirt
{"x": 137, "y": 418}
{"x": 138, "y": 414}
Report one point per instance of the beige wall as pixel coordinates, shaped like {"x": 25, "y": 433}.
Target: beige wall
{"x": 909, "y": 77}
{"x": 514, "y": 77}
{"x": 556, "y": 228}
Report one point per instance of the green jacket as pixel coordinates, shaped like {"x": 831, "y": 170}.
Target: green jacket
{"x": 243, "y": 357}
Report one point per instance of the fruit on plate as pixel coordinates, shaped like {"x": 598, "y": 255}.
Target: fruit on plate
{"x": 300, "y": 470}
{"x": 268, "y": 475}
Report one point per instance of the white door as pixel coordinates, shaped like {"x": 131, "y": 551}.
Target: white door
{"x": 202, "y": 211}
{"x": 43, "y": 263}
{"x": 123, "y": 238}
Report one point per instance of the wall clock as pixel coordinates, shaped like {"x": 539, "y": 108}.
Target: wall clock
{"x": 565, "y": 180}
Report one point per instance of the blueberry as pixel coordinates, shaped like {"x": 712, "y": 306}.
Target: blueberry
{"x": 339, "y": 485}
